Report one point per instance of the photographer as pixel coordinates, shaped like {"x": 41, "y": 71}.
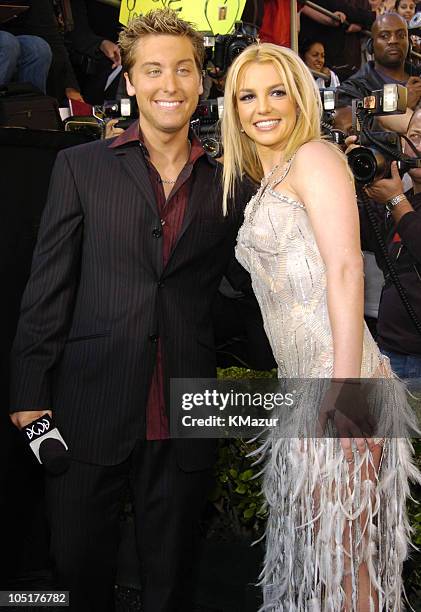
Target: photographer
{"x": 397, "y": 336}
{"x": 390, "y": 47}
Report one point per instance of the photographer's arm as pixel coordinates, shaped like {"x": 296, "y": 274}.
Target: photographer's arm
{"x": 407, "y": 220}
{"x": 47, "y": 303}
{"x": 396, "y": 123}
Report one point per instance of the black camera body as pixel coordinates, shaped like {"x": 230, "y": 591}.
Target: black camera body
{"x": 371, "y": 163}
{"x": 227, "y": 47}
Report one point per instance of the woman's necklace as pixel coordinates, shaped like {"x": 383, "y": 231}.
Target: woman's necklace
{"x": 173, "y": 181}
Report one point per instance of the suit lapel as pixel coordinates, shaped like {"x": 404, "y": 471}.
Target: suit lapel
{"x": 132, "y": 160}
{"x": 201, "y": 196}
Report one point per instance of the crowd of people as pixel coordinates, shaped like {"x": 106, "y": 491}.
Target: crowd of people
{"x": 136, "y": 237}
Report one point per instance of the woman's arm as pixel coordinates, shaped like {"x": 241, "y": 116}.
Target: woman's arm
{"x": 320, "y": 178}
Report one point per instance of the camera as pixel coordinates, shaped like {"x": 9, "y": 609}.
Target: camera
{"x": 94, "y": 125}
{"x": 226, "y": 47}
{"x": 221, "y": 51}
{"x": 126, "y": 107}
{"x": 372, "y": 160}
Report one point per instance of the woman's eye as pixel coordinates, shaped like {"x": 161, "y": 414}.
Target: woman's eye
{"x": 183, "y": 71}
{"x": 278, "y": 93}
{"x": 246, "y": 97}
{"x": 154, "y": 72}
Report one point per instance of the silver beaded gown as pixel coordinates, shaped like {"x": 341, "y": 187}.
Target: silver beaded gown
{"x": 324, "y": 519}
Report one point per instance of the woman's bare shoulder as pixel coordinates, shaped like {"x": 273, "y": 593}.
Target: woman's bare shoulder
{"x": 319, "y": 151}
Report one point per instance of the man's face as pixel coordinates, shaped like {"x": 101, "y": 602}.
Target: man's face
{"x": 390, "y": 40}
{"x": 165, "y": 81}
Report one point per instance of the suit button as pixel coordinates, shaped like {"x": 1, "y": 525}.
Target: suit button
{"x": 161, "y": 284}
{"x": 154, "y": 338}
{"x": 157, "y": 232}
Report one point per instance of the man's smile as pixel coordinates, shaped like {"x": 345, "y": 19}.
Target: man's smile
{"x": 169, "y": 104}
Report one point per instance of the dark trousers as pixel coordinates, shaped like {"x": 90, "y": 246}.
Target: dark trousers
{"x": 84, "y": 506}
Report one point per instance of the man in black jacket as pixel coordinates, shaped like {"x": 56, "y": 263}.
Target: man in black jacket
{"x": 130, "y": 254}
{"x": 390, "y": 49}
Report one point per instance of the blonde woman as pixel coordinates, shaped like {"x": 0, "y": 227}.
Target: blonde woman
{"x": 337, "y": 533}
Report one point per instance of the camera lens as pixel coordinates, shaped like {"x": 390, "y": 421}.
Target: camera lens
{"x": 363, "y": 164}
{"x": 235, "y": 49}
{"x": 212, "y": 147}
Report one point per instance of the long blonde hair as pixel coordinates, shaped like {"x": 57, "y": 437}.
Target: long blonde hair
{"x": 240, "y": 154}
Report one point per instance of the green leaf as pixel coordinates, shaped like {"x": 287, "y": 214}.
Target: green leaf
{"x": 244, "y": 476}
{"x": 249, "y": 513}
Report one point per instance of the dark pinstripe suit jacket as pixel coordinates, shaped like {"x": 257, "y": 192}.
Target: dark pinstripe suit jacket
{"x": 98, "y": 296}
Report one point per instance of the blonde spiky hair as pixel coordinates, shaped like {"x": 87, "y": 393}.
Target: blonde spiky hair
{"x": 159, "y": 21}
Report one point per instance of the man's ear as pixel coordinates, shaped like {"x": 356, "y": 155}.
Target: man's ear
{"x": 129, "y": 87}
{"x": 201, "y": 85}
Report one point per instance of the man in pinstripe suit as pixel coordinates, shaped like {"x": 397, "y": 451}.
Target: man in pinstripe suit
{"x": 131, "y": 250}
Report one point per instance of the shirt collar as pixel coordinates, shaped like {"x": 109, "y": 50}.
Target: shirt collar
{"x": 134, "y": 134}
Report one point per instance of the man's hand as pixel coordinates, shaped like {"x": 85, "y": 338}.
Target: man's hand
{"x": 73, "y": 94}
{"x": 21, "y": 419}
{"x": 385, "y": 189}
{"x": 341, "y": 16}
{"x": 351, "y": 143}
{"x": 111, "y": 130}
{"x": 414, "y": 91}
{"x": 354, "y": 28}
{"x": 111, "y": 51}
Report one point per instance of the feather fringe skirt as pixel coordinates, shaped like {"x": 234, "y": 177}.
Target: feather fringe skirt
{"x": 327, "y": 516}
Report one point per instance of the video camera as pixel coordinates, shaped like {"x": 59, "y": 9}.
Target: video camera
{"x": 372, "y": 160}
{"x": 94, "y": 125}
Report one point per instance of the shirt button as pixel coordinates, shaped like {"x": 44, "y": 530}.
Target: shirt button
{"x": 157, "y": 232}
{"x": 161, "y": 284}
{"x": 154, "y": 338}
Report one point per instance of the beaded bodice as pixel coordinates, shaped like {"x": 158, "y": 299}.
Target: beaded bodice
{"x": 276, "y": 244}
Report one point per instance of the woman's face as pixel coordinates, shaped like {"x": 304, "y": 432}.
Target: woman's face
{"x": 406, "y": 9}
{"x": 267, "y": 114}
{"x": 374, "y": 4}
{"x": 314, "y": 57}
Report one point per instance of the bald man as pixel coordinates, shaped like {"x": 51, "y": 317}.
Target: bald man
{"x": 390, "y": 65}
